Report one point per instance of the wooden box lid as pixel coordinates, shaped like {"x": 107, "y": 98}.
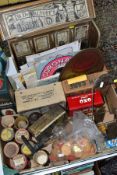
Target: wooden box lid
{"x": 41, "y": 15}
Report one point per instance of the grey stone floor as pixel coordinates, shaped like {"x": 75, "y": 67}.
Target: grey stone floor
{"x": 106, "y": 19}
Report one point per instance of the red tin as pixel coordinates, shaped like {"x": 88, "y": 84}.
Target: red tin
{"x": 84, "y": 101}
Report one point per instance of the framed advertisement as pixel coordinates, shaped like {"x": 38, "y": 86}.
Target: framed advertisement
{"x": 62, "y": 37}
{"x": 41, "y": 43}
{"x": 42, "y": 15}
{"x": 81, "y": 32}
{"x": 22, "y": 48}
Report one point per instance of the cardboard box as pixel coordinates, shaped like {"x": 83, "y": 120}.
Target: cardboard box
{"x": 39, "y": 97}
{"x": 72, "y": 87}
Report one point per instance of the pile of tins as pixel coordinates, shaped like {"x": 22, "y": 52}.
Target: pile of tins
{"x": 17, "y": 154}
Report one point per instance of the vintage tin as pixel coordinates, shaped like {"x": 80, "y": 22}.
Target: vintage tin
{"x": 21, "y": 132}
{"x": 41, "y": 157}
{"x": 18, "y": 162}
{"x": 21, "y": 122}
{"x": 7, "y": 134}
{"x": 83, "y": 101}
{"x": 25, "y": 150}
{"x": 11, "y": 149}
{"x": 7, "y": 121}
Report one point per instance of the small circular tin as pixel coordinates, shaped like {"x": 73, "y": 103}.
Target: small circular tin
{"x": 7, "y": 121}
{"x": 41, "y": 157}
{"x": 21, "y": 122}
{"x": 25, "y": 150}
{"x": 19, "y": 162}
{"x": 7, "y": 134}
{"x": 11, "y": 149}
{"x": 21, "y": 132}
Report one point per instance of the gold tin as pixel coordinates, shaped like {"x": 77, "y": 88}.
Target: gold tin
{"x": 25, "y": 150}
{"x": 21, "y": 122}
{"x": 7, "y": 134}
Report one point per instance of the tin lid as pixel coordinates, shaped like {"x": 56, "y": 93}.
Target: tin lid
{"x": 20, "y": 133}
{"x": 48, "y": 15}
{"x": 25, "y": 150}
{"x": 19, "y": 162}
{"x": 7, "y": 134}
{"x": 41, "y": 157}
{"x": 11, "y": 149}
{"x": 21, "y": 122}
{"x": 7, "y": 121}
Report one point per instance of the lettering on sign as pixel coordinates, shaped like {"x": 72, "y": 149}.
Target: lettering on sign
{"x": 38, "y": 17}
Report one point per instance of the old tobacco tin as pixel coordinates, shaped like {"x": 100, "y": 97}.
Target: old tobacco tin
{"x": 21, "y": 122}
{"x": 11, "y": 149}
{"x": 25, "y": 150}
{"x": 19, "y": 162}
{"x": 7, "y": 134}
{"x": 41, "y": 157}
{"x": 20, "y": 133}
{"x": 7, "y": 121}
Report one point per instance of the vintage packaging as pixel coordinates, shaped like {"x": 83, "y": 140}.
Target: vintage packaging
{"x": 39, "y": 97}
{"x": 81, "y": 84}
{"x": 83, "y": 101}
{"x": 46, "y": 120}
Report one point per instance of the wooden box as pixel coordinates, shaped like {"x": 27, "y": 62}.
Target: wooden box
{"x": 42, "y": 25}
{"x": 39, "y": 42}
